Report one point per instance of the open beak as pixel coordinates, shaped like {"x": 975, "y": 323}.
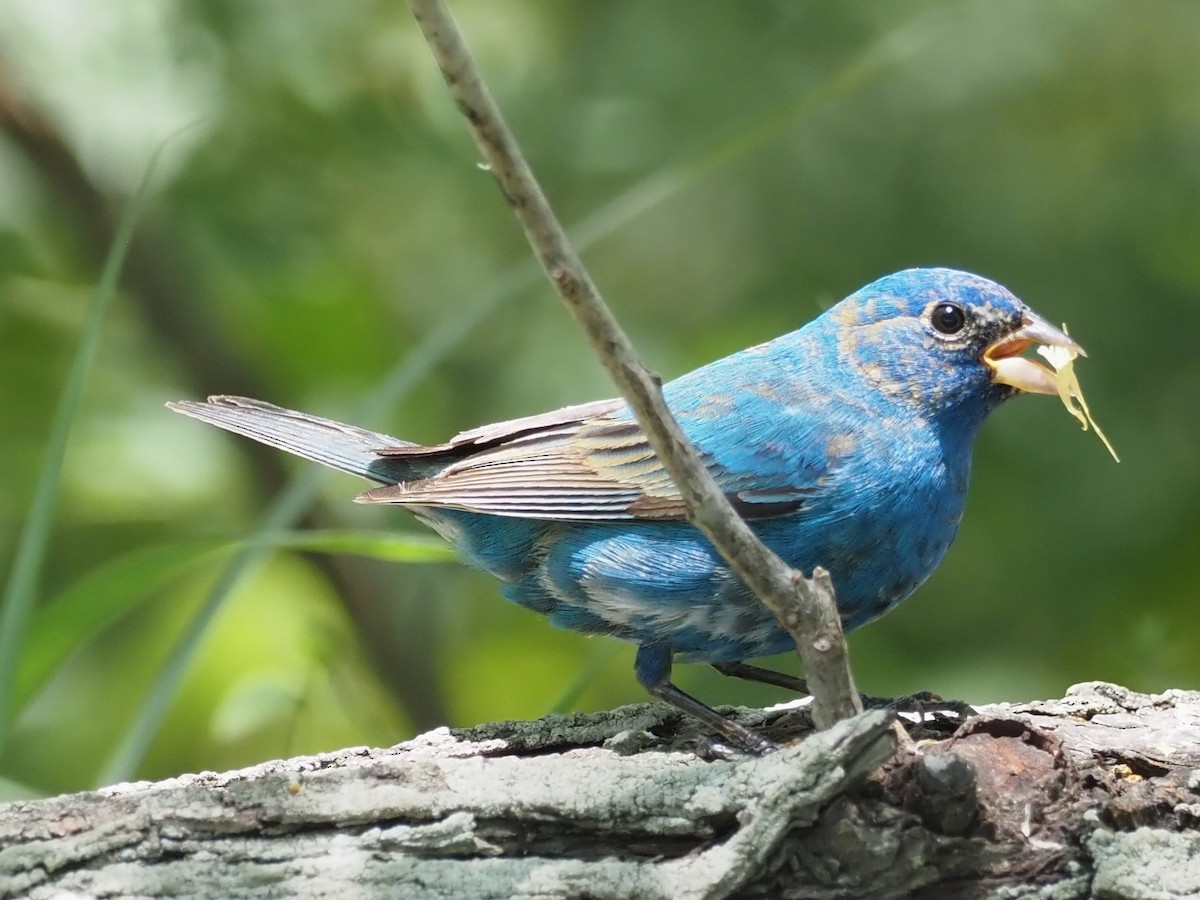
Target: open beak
{"x": 1003, "y": 356}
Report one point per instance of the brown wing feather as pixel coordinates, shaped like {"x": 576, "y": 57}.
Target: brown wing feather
{"x": 558, "y": 466}
{"x": 503, "y": 432}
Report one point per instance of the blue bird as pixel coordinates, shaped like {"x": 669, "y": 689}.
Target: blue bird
{"x": 845, "y": 444}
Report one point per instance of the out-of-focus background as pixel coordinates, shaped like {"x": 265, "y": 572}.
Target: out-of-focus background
{"x": 320, "y": 235}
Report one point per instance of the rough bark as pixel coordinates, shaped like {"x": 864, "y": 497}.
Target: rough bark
{"x": 1095, "y": 795}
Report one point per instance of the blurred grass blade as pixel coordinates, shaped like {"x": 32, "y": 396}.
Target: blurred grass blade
{"x": 400, "y": 546}
{"x": 97, "y": 600}
{"x": 286, "y": 509}
{"x": 284, "y": 512}
{"x": 21, "y": 590}
{"x": 589, "y": 672}
{"x": 413, "y": 368}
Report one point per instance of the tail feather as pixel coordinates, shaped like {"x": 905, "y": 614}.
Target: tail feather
{"x": 334, "y": 444}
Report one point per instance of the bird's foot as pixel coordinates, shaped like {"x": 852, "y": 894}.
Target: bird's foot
{"x": 733, "y": 732}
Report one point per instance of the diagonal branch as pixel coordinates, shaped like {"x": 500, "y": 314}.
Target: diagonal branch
{"x": 806, "y": 608}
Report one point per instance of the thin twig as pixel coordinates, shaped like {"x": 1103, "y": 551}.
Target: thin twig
{"x": 806, "y": 608}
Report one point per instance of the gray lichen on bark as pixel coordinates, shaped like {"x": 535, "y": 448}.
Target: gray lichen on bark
{"x": 1095, "y": 795}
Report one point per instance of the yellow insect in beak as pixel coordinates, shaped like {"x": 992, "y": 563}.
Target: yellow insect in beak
{"x": 1003, "y": 357}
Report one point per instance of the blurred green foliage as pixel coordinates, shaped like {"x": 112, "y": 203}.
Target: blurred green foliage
{"x": 324, "y": 230}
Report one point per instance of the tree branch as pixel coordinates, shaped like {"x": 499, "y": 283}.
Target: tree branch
{"x": 1092, "y": 797}
{"x": 807, "y": 609}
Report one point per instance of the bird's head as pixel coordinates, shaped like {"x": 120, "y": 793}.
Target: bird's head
{"x": 946, "y": 341}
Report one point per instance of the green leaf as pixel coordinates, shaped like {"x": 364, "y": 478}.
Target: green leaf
{"x": 20, "y": 595}
{"x": 94, "y": 602}
{"x": 287, "y": 508}
{"x": 259, "y": 701}
{"x": 406, "y": 547}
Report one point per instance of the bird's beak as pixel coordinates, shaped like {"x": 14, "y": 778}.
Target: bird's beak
{"x": 1003, "y": 356}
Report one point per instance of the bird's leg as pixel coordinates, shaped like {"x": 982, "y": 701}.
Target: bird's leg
{"x": 763, "y": 676}
{"x": 652, "y": 668}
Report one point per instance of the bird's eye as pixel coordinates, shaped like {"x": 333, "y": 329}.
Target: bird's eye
{"x": 948, "y": 318}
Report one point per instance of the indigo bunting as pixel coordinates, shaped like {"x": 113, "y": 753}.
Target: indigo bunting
{"x": 845, "y": 444}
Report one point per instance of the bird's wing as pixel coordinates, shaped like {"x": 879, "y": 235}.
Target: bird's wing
{"x": 593, "y": 463}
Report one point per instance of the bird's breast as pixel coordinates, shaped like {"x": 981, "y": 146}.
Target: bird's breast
{"x": 885, "y": 519}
